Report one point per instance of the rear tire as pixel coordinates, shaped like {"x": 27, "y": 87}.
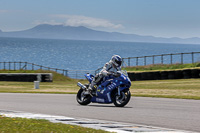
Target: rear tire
{"x": 123, "y": 99}
{"x": 83, "y": 99}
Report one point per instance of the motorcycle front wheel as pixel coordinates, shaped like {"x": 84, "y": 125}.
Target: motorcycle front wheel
{"x": 83, "y": 99}
{"x": 123, "y": 99}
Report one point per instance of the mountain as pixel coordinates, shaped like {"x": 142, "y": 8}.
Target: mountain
{"x": 82, "y": 33}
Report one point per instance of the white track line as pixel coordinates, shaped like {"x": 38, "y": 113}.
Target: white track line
{"x": 92, "y": 123}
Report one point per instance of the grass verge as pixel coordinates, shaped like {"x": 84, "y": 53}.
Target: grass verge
{"x": 23, "y": 125}
{"x": 162, "y": 67}
{"x": 177, "y": 88}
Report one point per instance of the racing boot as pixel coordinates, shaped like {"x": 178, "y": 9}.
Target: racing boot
{"x": 92, "y": 89}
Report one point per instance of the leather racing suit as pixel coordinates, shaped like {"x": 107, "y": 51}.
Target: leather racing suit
{"x": 108, "y": 69}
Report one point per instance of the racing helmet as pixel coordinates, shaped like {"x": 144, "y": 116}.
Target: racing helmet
{"x": 116, "y": 60}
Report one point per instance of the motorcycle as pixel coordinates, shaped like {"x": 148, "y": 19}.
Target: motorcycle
{"x": 112, "y": 89}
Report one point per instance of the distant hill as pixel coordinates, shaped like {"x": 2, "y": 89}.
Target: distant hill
{"x": 82, "y": 33}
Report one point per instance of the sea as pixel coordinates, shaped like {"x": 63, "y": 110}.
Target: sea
{"x": 84, "y": 55}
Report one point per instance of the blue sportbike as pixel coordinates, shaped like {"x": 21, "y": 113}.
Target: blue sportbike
{"x": 112, "y": 89}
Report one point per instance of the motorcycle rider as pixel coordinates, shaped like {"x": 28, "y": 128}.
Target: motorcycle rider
{"x": 110, "y": 68}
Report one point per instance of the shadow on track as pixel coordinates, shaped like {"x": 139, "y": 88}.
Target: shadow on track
{"x": 108, "y": 106}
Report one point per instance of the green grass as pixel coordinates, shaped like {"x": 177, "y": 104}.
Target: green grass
{"x": 23, "y": 125}
{"x": 60, "y": 84}
{"x": 177, "y": 88}
{"x": 162, "y": 67}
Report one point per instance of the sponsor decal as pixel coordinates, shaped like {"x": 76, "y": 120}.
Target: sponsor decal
{"x": 100, "y": 100}
{"x": 112, "y": 86}
{"x": 102, "y": 91}
{"x": 108, "y": 95}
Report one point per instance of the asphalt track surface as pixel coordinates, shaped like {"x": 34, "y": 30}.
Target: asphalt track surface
{"x": 161, "y": 112}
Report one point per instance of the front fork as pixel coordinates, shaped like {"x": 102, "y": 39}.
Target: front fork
{"x": 118, "y": 91}
{"x": 120, "y": 96}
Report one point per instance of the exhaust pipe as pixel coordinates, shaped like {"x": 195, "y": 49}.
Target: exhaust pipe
{"x": 81, "y": 85}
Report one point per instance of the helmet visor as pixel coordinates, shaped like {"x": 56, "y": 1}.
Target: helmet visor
{"x": 119, "y": 63}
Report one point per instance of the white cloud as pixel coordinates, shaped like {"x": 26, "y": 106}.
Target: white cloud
{"x": 52, "y": 22}
{"x": 75, "y": 20}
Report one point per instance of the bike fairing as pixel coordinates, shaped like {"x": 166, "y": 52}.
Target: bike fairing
{"x": 106, "y": 87}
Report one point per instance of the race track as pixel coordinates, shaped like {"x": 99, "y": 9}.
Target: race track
{"x": 161, "y": 112}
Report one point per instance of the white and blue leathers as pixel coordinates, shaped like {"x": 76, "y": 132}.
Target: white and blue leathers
{"x": 109, "y": 68}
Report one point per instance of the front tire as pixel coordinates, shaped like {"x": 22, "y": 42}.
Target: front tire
{"x": 83, "y": 99}
{"x": 123, "y": 99}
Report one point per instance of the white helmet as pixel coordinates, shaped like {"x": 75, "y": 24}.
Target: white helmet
{"x": 116, "y": 60}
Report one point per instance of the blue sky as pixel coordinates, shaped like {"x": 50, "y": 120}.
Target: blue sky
{"x": 161, "y": 18}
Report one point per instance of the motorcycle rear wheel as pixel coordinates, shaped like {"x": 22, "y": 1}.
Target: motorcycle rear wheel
{"x": 123, "y": 99}
{"x": 83, "y": 99}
